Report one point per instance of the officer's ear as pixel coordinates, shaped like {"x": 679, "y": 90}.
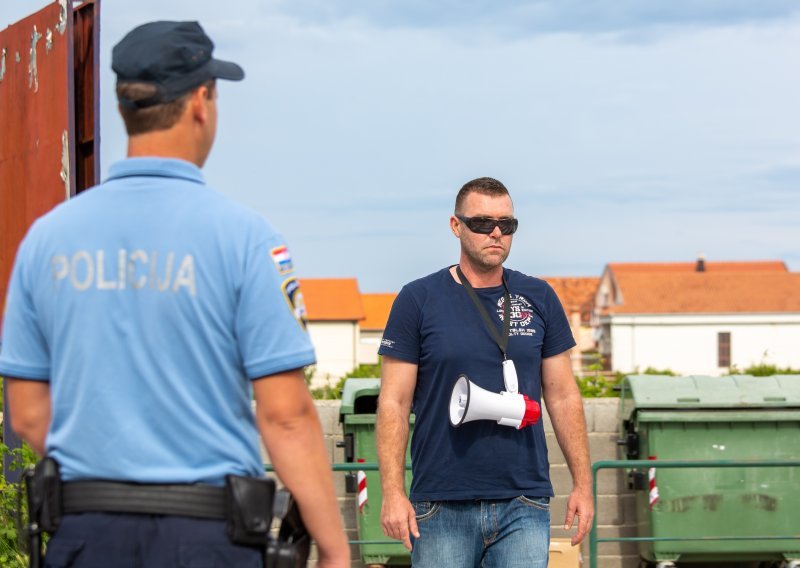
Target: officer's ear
{"x": 198, "y": 103}
{"x": 455, "y": 226}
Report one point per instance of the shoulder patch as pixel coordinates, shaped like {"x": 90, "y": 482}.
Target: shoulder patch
{"x": 282, "y": 259}
{"x": 294, "y": 297}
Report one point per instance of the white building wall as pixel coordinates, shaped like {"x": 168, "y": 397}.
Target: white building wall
{"x": 687, "y": 344}
{"x": 368, "y": 343}
{"x": 336, "y": 346}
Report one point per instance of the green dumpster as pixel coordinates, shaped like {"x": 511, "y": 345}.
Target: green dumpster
{"x": 357, "y": 415}
{"x": 714, "y": 419}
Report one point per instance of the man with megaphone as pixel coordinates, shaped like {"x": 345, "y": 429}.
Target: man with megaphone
{"x": 473, "y": 349}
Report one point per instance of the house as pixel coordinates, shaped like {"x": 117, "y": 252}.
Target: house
{"x": 698, "y": 317}
{"x": 376, "y": 314}
{"x": 577, "y": 298}
{"x": 334, "y": 310}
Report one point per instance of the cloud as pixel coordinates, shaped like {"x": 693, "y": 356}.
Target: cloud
{"x": 486, "y": 18}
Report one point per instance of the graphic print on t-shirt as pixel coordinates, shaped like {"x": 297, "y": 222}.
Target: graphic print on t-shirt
{"x": 521, "y": 315}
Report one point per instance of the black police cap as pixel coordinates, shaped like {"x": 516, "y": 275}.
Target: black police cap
{"x": 175, "y": 57}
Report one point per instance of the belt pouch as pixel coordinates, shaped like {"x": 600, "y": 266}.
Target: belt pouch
{"x": 44, "y": 491}
{"x": 248, "y": 509}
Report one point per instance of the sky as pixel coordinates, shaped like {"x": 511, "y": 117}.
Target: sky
{"x": 625, "y": 130}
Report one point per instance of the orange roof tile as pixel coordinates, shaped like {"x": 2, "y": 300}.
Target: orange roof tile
{"x": 576, "y": 293}
{"x": 735, "y": 266}
{"x": 699, "y": 292}
{"x": 376, "y": 310}
{"x": 332, "y": 299}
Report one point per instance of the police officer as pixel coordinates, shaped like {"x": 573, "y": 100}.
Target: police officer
{"x": 143, "y": 316}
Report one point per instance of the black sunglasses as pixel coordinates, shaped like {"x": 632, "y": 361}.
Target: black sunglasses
{"x": 485, "y": 225}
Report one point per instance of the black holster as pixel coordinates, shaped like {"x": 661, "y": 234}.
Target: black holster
{"x": 45, "y": 505}
{"x": 251, "y": 505}
{"x": 291, "y": 547}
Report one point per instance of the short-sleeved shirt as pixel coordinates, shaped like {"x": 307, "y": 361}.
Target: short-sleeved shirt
{"x": 434, "y": 324}
{"x": 149, "y": 303}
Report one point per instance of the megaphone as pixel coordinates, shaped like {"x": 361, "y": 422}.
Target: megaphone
{"x": 470, "y": 402}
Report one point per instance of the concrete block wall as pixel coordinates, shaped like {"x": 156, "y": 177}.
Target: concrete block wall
{"x": 616, "y": 513}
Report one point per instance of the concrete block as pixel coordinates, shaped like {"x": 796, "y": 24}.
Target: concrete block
{"x": 330, "y": 447}
{"x": 609, "y": 510}
{"x": 588, "y": 411}
{"x": 603, "y": 447}
{"x": 328, "y": 411}
{"x": 553, "y": 450}
{"x": 614, "y": 561}
{"x": 337, "y": 452}
{"x": 339, "y": 485}
{"x": 546, "y": 422}
{"x": 628, "y": 501}
{"x": 558, "y": 511}
{"x": 561, "y": 479}
{"x": 606, "y": 414}
{"x": 347, "y": 508}
{"x": 617, "y": 549}
{"x": 610, "y": 481}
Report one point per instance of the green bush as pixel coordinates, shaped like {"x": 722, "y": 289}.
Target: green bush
{"x": 599, "y": 386}
{"x": 602, "y": 384}
{"x": 653, "y": 371}
{"x": 763, "y": 370}
{"x": 12, "y": 499}
{"x": 334, "y": 391}
{"x": 329, "y": 391}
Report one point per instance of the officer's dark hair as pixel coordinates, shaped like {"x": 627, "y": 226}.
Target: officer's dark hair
{"x": 156, "y": 117}
{"x": 485, "y": 186}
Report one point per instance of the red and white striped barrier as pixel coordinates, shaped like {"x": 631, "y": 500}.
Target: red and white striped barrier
{"x": 361, "y": 477}
{"x": 651, "y": 475}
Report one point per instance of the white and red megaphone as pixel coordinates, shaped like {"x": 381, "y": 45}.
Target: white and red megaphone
{"x": 470, "y": 402}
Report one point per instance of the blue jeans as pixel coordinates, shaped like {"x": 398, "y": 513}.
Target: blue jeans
{"x": 505, "y": 533}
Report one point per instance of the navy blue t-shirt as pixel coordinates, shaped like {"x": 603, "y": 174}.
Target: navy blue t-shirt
{"x": 434, "y": 324}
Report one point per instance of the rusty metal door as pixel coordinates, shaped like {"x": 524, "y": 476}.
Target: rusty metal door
{"x": 49, "y": 131}
{"x": 48, "y": 98}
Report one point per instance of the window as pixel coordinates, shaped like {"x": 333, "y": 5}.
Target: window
{"x": 724, "y": 349}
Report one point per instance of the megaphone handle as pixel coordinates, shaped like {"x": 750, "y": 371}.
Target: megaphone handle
{"x": 510, "y": 376}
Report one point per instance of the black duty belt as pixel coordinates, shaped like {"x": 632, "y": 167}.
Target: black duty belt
{"x": 203, "y": 501}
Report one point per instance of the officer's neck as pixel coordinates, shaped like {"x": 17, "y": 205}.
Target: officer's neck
{"x": 479, "y": 277}
{"x": 188, "y": 139}
{"x": 164, "y": 144}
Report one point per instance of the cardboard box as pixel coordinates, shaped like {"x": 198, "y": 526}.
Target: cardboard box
{"x": 563, "y": 554}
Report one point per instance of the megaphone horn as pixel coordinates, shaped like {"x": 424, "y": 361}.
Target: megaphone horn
{"x": 470, "y": 402}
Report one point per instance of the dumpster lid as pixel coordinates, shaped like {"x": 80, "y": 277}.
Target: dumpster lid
{"x": 356, "y": 388}
{"x": 697, "y": 392}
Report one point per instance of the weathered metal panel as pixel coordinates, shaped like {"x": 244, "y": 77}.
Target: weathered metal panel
{"x": 36, "y": 102}
{"x": 87, "y": 94}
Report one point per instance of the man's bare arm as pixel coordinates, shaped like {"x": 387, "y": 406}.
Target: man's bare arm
{"x": 565, "y": 407}
{"x": 290, "y": 427}
{"x": 29, "y": 406}
{"x": 398, "y": 382}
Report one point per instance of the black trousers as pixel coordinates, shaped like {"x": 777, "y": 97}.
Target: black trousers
{"x": 102, "y": 540}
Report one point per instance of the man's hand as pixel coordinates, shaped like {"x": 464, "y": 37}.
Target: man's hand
{"x": 399, "y": 519}
{"x": 581, "y": 505}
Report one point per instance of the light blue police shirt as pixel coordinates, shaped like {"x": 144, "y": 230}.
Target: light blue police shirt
{"x": 149, "y": 303}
